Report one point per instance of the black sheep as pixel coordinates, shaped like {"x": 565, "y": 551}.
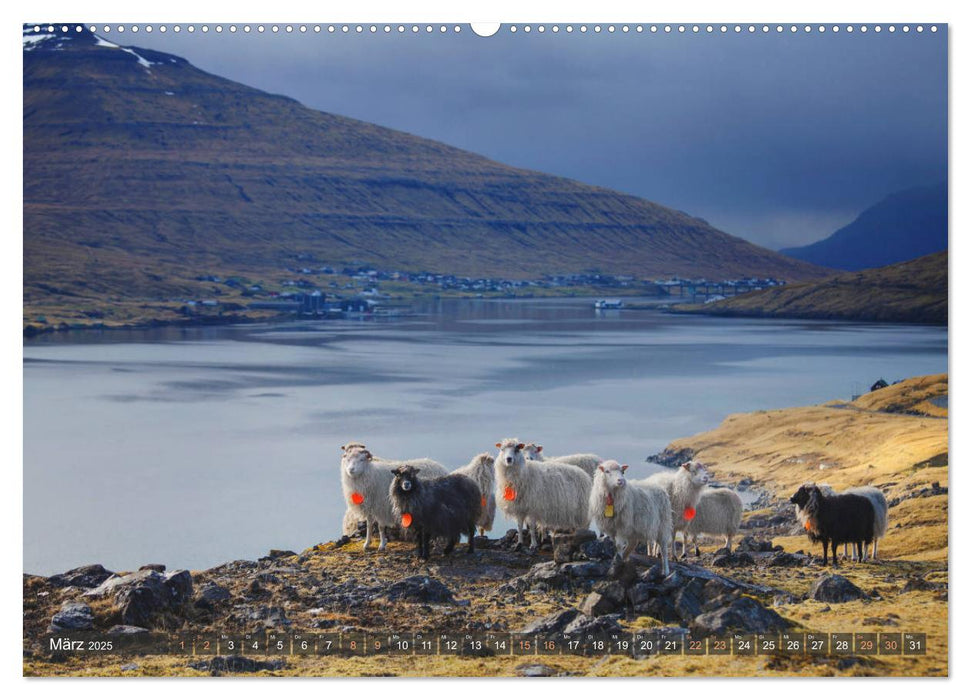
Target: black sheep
{"x": 448, "y": 507}
{"x": 836, "y": 519}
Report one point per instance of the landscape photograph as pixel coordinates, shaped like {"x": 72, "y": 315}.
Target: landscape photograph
{"x": 436, "y": 350}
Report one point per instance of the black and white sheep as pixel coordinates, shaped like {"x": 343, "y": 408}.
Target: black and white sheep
{"x": 365, "y": 482}
{"x": 719, "y": 512}
{"x": 836, "y": 519}
{"x": 587, "y": 461}
{"x": 482, "y": 471}
{"x": 447, "y": 506}
{"x": 630, "y": 514}
{"x": 684, "y": 486}
{"x": 547, "y": 495}
{"x": 880, "y": 511}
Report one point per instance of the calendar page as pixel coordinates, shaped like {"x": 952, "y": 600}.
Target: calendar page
{"x": 557, "y": 349}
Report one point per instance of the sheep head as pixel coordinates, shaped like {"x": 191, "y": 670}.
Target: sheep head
{"x": 356, "y": 461}
{"x": 405, "y": 480}
{"x": 510, "y": 452}
{"x": 697, "y": 472}
{"x": 613, "y": 475}
{"x": 532, "y": 450}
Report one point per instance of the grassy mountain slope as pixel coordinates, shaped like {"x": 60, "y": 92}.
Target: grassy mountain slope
{"x": 909, "y": 292}
{"x": 142, "y": 172}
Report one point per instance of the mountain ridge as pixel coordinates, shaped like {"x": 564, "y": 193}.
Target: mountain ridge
{"x": 904, "y": 225}
{"x": 141, "y": 172}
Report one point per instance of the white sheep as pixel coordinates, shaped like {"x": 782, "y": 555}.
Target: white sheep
{"x": 719, "y": 512}
{"x": 630, "y": 514}
{"x": 684, "y": 486}
{"x": 540, "y": 494}
{"x": 871, "y": 493}
{"x": 588, "y": 462}
{"x": 482, "y": 471}
{"x": 366, "y": 482}
{"x": 880, "y": 518}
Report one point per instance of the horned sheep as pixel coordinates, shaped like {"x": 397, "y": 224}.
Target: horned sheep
{"x": 630, "y": 514}
{"x": 546, "y": 495}
{"x": 366, "y": 482}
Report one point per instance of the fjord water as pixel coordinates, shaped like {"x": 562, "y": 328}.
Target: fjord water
{"x": 194, "y": 446}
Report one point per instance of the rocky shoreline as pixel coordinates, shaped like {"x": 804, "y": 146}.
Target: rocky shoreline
{"x": 574, "y": 586}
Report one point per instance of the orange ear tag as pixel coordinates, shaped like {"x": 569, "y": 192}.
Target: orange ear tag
{"x": 406, "y": 519}
{"x": 807, "y": 525}
{"x": 357, "y": 498}
{"x": 483, "y": 501}
{"x": 609, "y": 508}
{"x": 689, "y": 513}
{"x": 509, "y": 494}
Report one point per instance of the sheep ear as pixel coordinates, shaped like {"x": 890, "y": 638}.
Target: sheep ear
{"x": 624, "y": 467}
{"x": 539, "y": 448}
{"x": 600, "y": 466}
{"x": 686, "y": 465}
{"x": 415, "y": 470}
{"x": 396, "y": 471}
{"x": 520, "y": 446}
{"x": 498, "y": 444}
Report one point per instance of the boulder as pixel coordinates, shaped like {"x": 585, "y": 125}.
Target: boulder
{"x": 834, "y": 588}
{"x": 88, "y": 576}
{"x": 739, "y": 614}
{"x": 739, "y": 558}
{"x": 419, "y": 589}
{"x": 607, "y": 597}
{"x": 210, "y": 594}
{"x": 600, "y": 625}
{"x": 153, "y": 567}
{"x": 552, "y": 624}
{"x": 72, "y": 617}
{"x": 127, "y": 631}
{"x": 532, "y": 670}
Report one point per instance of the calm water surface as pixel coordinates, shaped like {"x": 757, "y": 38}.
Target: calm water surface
{"x": 190, "y": 447}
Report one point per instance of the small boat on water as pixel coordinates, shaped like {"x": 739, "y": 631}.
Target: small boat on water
{"x": 608, "y": 304}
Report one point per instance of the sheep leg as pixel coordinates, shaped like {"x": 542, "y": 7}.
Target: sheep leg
{"x": 694, "y": 541}
{"x": 728, "y": 543}
{"x": 367, "y": 536}
{"x": 825, "y": 551}
{"x": 450, "y": 546}
{"x": 533, "y": 536}
{"x": 665, "y": 567}
{"x": 472, "y": 538}
{"x": 628, "y": 549}
{"x": 835, "y": 561}
{"x": 519, "y": 533}
{"x": 383, "y": 532}
{"x": 874, "y": 557}
{"x": 425, "y": 545}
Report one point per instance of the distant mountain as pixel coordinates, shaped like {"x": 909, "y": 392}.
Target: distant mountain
{"x": 904, "y": 226}
{"x": 142, "y": 172}
{"x": 910, "y": 292}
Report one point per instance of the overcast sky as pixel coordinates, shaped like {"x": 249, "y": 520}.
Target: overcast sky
{"x": 780, "y": 139}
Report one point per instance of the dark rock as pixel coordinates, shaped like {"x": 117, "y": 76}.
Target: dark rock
{"x": 751, "y": 544}
{"x": 740, "y": 558}
{"x": 267, "y": 577}
{"x": 602, "y": 549}
{"x": 73, "y": 616}
{"x": 179, "y": 587}
{"x": 640, "y": 593}
{"x": 272, "y": 616}
{"x": 787, "y": 559}
{"x": 237, "y": 664}
{"x": 672, "y": 458}
{"x": 153, "y": 567}
{"x": 419, "y": 589}
{"x": 538, "y": 671}
{"x": 210, "y": 594}
{"x": 598, "y": 604}
{"x": 88, "y": 576}
{"x": 741, "y": 614}
{"x": 584, "y": 624}
{"x": 552, "y": 624}
{"x": 279, "y": 553}
{"x": 567, "y": 545}
{"x": 919, "y": 583}
{"x": 622, "y": 571}
{"x": 834, "y": 588}
{"x": 584, "y": 569}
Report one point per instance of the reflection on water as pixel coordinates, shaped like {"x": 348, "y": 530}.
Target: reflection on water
{"x": 193, "y": 446}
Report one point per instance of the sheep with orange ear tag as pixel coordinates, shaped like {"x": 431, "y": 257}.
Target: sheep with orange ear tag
{"x": 683, "y": 485}
{"x": 365, "y": 481}
{"x": 539, "y": 495}
{"x": 630, "y": 514}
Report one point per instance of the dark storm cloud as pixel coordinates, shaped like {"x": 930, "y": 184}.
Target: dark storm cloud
{"x": 779, "y": 138}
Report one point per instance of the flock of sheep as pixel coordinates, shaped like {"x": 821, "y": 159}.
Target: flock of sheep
{"x": 545, "y": 494}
